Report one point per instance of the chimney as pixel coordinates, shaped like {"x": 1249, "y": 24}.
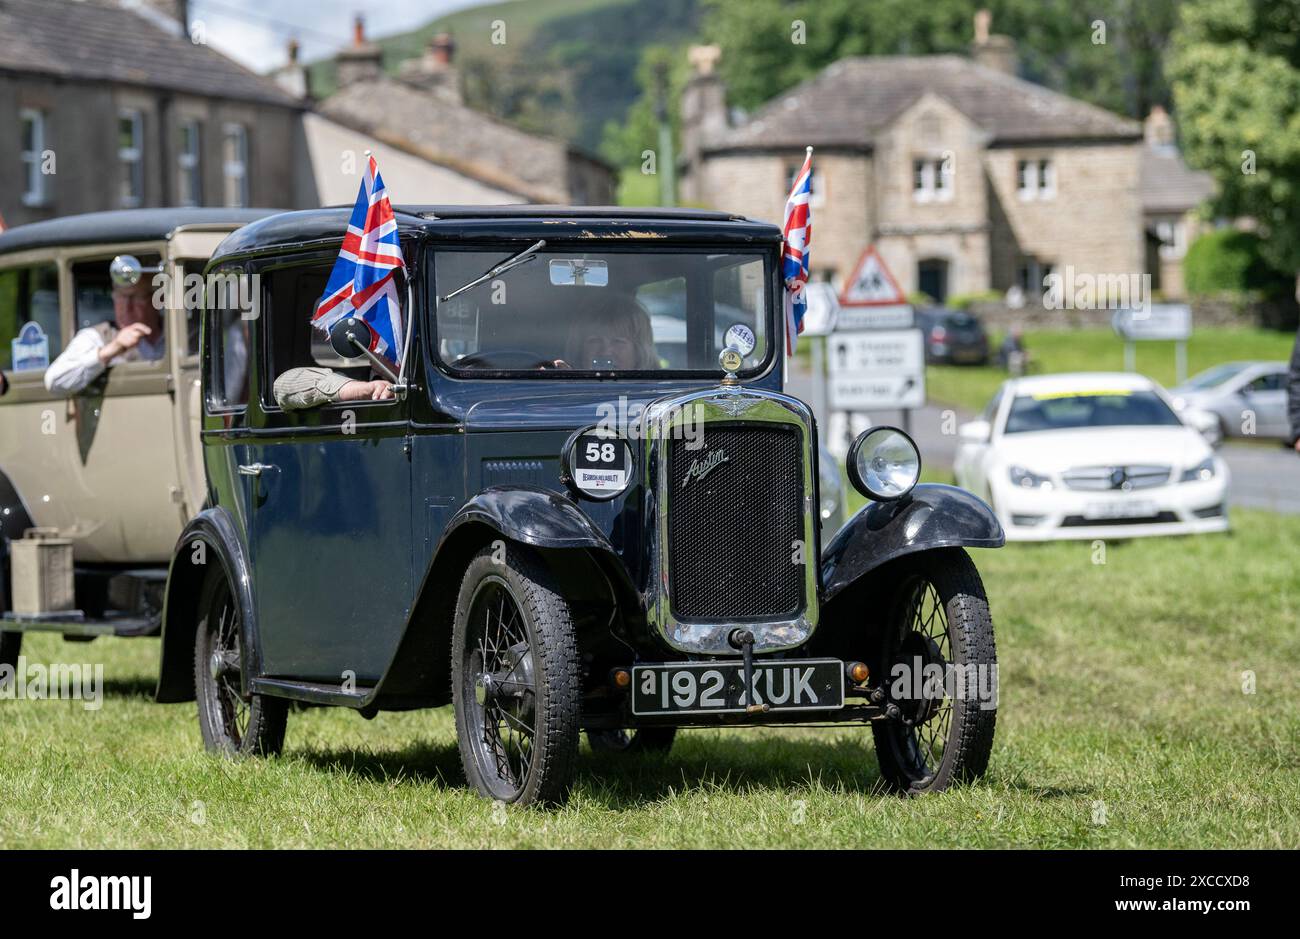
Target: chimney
{"x": 991, "y": 50}
{"x": 434, "y": 71}
{"x": 362, "y": 61}
{"x": 442, "y": 48}
{"x": 704, "y": 101}
{"x": 176, "y": 12}
{"x": 292, "y": 77}
{"x": 1158, "y": 129}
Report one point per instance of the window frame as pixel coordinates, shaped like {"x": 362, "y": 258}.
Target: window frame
{"x": 234, "y": 168}
{"x": 130, "y": 160}
{"x": 935, "y": 185}
{"x": 36, "y": 189}
{"x": 189, "y": 163}
{"x": 56, "y": 343}
{"x": 775, "y": 324}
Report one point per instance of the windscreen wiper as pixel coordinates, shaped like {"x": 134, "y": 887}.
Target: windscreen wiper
{"x": 523, "y": 257}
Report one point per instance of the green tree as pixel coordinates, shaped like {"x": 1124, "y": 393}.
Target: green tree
{"x": 1235, "y": 73}
{"x": 1119, "y": 67}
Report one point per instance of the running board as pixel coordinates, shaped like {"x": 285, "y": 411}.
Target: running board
{"x": 312, "y": 692}
{"x": 75, "y": 623}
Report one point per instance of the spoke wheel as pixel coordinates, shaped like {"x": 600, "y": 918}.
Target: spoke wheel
{"x": 231, "y": 722}
{"x": 516, "y": 688}
{"x": 940, "y": 728}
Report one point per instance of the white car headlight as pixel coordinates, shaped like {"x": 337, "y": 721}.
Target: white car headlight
{"x": 1027, "y": 480}
{"x": 1200, "y": 472}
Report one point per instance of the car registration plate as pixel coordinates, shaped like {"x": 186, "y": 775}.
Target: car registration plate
{"x": 719, "y": 687}
{"x": 1108, "y": 510}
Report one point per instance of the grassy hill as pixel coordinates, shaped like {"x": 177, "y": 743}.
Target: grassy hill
{"x": 566, "y": 66}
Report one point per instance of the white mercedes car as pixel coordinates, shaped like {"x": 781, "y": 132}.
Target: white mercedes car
{"x": 1091, "y": 455}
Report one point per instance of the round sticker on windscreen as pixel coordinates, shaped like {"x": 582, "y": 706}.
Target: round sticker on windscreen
{"x": 740, "y": 337}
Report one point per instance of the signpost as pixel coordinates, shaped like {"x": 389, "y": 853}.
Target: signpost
{"x": 877, "y": 356}
{"x": 1162, "y": 321}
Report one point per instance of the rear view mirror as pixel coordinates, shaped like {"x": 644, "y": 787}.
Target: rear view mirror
{"x": 577, "y": 272}
{"x": 126, "y": 270}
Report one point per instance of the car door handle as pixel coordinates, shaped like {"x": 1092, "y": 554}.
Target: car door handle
{"x": 254, "y": 469}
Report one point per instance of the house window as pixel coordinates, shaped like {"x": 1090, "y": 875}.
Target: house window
{"x": 932, "y": 179}
{"x": 32, "y": 134}
{"x": 189, "y": 188}
{"x": 234, "y": 164}
{"x": 130, "y": 157}
{"x": 1032, "y": 277}
{"x": 817, "y": 198}
{"x": 1035, "y": 179}
{"x": 1172, "y": 233}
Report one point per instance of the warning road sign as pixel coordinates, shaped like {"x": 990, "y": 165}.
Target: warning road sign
{"x": 871, "y": 284}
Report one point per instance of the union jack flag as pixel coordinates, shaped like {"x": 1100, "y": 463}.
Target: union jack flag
{"x": 797, "y": 230}
{"x": 362, "y": 282}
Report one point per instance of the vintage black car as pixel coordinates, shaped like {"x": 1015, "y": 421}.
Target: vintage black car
{"x": 587, "y": 507}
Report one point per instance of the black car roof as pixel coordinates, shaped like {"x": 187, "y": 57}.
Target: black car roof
{"x": 122, "y": 225}
{"x": 504, "y": 221}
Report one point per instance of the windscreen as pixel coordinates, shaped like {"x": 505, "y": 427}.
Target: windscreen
{"x": 1064, "y": 411}
{"x": 611, "y": 311}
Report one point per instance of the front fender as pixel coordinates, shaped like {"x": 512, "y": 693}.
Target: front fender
{"x": 932, "y": 516}
{"x": 534, "y": 516}
{"x": 210, "y": 538}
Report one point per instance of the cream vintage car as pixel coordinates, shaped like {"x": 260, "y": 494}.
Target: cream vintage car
{"x": 101, "y": 482}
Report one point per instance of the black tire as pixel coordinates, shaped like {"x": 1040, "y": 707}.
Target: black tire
{"x": 939, "y": 614}
{"x": 11, "y": 643}
{"x": 515, "y": 684}
{"x": 657, "y": 740}
{"x": 231, "y": 724}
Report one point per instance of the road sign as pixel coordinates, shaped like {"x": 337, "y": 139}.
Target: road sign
{"x": 871, "y": 284}
{"x": 823, "y": 309}
{"x": 1160, "y": 321}
{"x": 877, "y": 369}
{"x": 875, "y": 317}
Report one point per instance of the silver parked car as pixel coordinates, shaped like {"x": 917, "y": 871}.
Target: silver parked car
{"x": 1234, "y": 391}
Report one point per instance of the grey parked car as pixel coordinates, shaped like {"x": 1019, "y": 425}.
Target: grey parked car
{"x": 1235, "y": 390}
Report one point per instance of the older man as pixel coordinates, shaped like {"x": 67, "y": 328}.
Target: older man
{"x": 138, "y": 336}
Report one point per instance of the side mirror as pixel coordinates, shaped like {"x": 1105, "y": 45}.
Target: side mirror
{"x": 125, "y": 270}
{"x": 350, "y": 337}
{"x": 978, "y": 431}
{"x": 1207, "y": 422}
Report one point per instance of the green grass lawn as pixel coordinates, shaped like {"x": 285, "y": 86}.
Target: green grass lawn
{"x": 1100, "y": 350}
{"x": 1123, "y": 723}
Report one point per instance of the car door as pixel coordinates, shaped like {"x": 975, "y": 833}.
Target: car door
{"x": 330, "y": 496}
{"x": 1266, "y": 397}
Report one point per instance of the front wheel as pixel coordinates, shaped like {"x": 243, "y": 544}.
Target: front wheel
{"x": 939, "y": 676}
{"x": 231, "y": 722}
{"x": 515, "y": 684}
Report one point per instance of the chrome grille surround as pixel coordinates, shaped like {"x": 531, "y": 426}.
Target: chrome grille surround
{"x": 1102, "y": 478}
{"x": 662, "y": 422}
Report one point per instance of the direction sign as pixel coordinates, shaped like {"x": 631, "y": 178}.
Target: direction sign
{"x": 877, "y": 369}
{"x": 871, "y": 284}
{"x": 1160, "y": 321}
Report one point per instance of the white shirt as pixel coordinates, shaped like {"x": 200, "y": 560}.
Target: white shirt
{"x": 78, "y": 365}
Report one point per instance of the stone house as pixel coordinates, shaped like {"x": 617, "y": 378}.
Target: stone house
{"x": 103, "y": 107}
{"x": 420, "y": 113}
{"x": 966, "y": 178}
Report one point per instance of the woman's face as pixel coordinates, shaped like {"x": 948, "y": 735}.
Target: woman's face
{"x": 609, "y": 347}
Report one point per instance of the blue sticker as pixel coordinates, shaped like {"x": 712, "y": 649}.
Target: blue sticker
{"x": 31, "y": 350}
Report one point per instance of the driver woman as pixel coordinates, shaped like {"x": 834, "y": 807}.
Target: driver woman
{"x": 616, "y": 337}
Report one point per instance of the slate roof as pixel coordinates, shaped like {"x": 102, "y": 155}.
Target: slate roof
{"x": 1169, "y": 185}
{"x": 849, "y": 102}
{"x": 96, "y": 40}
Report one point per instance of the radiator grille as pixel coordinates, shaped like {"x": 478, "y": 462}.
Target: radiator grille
{"x": 731, "y": 529}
